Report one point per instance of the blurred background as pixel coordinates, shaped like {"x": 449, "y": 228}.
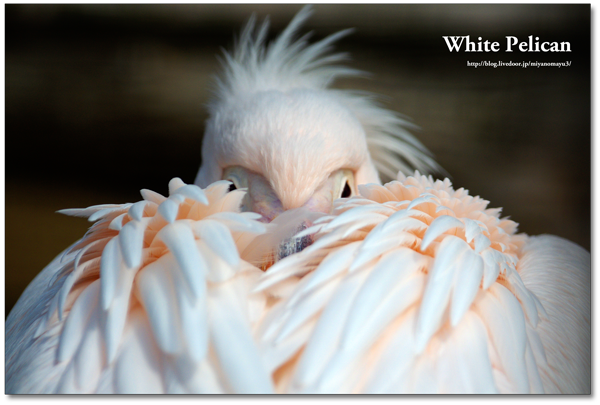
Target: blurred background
{"x": 104, "y": 100}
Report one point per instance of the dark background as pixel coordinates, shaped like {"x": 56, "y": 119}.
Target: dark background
{"x": 103, "y": 100}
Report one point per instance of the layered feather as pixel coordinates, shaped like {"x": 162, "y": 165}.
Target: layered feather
{"x": 411, "y": 287}
{"x": 417, "y": 292}
{"x": 144, "y": 302}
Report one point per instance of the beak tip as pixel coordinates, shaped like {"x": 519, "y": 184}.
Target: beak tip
{"x": 294, "y": 245}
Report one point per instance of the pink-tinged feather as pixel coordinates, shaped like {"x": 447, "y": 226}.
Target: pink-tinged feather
{"x": 152, "y": 196}
{"x": 466, "y": 284}
{"x": 156, "y": 290}
{"x": 180, "y": 240}
{"x": 439, "y": 287}
{"x": 438, "y": 227}
{"x": 77, "y": 321}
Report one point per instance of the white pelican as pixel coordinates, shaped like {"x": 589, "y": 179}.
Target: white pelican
{"x": 411, "y": 287}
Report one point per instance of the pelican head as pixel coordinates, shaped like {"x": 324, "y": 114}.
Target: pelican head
{"x": 279, "y": 131}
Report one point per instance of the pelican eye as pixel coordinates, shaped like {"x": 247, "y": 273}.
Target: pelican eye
{"x": 346, "y": 192}
{"x": 237, "y": 175}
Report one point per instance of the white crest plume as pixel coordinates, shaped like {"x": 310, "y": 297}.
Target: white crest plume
{"x": 287, "y": 64}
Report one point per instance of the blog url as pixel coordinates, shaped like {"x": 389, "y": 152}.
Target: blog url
{"x": 523, "y": 64}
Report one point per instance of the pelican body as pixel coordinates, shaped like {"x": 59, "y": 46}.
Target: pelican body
{"x": 289, "y": 268}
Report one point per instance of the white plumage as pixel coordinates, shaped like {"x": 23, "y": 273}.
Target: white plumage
{"x": 418, "y": 288}
{"x": 411, "y": 287}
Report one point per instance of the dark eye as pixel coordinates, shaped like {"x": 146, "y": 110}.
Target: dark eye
{"x": 232, "y": 187}
{"x": 346, "y": 192}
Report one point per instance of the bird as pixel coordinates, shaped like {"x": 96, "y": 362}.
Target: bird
{"x": 288, "y": 267}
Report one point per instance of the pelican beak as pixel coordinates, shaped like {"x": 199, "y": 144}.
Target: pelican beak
{"x": 293, "y": 245}
{"x": 263, "y": 199}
